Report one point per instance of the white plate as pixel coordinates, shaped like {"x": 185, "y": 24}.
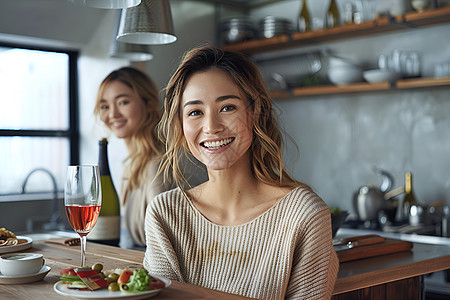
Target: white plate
{"x": 25, "y": 278}
{"x": 62, "y": 289}
{"x": 19, "y": 247}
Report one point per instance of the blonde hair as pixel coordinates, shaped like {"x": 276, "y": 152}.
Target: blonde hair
{"x": 265, "y": 151}
{"x": 145, "y": 144}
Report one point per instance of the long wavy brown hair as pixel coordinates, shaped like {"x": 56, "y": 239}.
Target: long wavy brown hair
{"x": 145, "y": 144}
{"x": 265, "y": 151}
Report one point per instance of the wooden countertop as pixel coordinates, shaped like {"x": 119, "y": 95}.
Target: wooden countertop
{"x": 353, "y": 275}
{"x": 422, "y": 259}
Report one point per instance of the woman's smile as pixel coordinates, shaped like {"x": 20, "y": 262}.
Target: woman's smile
{"x": 214, "y": 145}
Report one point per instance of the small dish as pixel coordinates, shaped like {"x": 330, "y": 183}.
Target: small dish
{"x": 25, "y": 278}
{"x": 380, "y": 75}
{"x": 20, "y": 264}
{"x": 19, "y": 247}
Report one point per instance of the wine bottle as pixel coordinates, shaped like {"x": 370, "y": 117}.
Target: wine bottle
{"x": 304, "y": 21}
{"x": 332, "y": 17}
{"x": 348, "y": 13}
{"x": 107, "y": 229}
{"x": 410, "y": 198}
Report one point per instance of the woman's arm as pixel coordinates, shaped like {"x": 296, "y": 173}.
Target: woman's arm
{"x": 315, "y": 264}
{"x": 160, "y": 258}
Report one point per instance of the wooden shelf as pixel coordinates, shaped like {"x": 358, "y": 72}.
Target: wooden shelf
{"x": 362, "y": 87}
{"x": 379, "y": 25}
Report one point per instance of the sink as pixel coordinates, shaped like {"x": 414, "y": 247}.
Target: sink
{"x": 45, "y": 235}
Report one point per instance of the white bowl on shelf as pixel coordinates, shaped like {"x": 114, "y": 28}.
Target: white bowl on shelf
{"x": 336, "y": 62}
{"x": 380, "y": 75}
{"x": 345, "y": 75}
{"x": 420, "y": 5}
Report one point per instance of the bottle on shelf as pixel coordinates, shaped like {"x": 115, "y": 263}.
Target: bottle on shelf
{"x": 332, "y": 17}
{"x": 348, "y": 13}
{"x": 107, "y": 229}
{"x": 410, "y": 198}
{"x": 304, "y": 20}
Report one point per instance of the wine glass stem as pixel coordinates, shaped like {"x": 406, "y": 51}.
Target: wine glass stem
{"x": 83, "y": 250}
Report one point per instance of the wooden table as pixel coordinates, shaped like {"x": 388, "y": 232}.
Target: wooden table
{"x": 377, "y": 273}
{"x": 57, "y": 256}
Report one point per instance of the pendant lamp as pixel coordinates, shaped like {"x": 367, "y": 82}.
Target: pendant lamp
{"x": 132, "y": 52}
{"x": 148, "y": 23}
{"x": 110, "y": 4}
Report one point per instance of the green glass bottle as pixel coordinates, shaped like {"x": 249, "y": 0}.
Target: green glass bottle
{"x": 410, "y": 198}
{"x": 107, "y": 229}
{"x": 304, "y": 20}
{"x": 332, "y": 17}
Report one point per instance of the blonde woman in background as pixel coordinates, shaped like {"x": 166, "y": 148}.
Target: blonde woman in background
{"x": 127, "y": 103}
{"x": 251, "y": 229}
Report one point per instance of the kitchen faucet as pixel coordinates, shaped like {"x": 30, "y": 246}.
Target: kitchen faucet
{"x": 55, "y": 217}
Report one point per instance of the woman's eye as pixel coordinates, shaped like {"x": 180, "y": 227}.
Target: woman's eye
{"x": 124, "y": 102}
{"x": 194, "y": 113}
{"x": 103, "y": 107}
{"x": 228, "y": 108}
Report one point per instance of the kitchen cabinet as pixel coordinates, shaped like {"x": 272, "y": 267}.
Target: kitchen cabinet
{"x": 385, "y": 24}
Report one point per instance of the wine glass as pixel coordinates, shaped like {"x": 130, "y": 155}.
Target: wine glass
{"x": 82, "y": 199}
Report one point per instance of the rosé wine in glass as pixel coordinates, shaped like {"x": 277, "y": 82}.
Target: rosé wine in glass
{"x": 83, "y": 200}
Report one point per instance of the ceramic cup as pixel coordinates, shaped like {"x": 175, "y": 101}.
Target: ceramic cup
{"x": 18, "y": 264}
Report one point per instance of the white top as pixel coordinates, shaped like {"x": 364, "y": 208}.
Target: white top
{"x": 285, "y": 252}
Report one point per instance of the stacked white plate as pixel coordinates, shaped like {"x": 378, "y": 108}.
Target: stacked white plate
{"x": 272, "y": 26}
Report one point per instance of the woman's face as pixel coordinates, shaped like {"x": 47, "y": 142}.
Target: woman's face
{"x": 122, "y": 110}
{"x": 216, "y": 119}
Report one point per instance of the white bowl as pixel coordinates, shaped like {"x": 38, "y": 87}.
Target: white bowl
{"x": 380, "y": 75}
{"x": 420, "y": 5}
{"x": 345, "y": 75}
{"x": 17, "y": 264}
{"x": 336, "y": 62}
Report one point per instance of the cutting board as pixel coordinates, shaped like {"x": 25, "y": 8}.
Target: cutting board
{"x": 389, "y": 246}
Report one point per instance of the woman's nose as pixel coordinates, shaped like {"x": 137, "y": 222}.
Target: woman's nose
{"x": 114, "y": 112}
{"x": 212, "y": 124}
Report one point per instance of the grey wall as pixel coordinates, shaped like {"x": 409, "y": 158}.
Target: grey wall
{"x": 341, "y": 137}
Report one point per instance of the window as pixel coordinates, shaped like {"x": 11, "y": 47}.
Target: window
{"x": 38, "y": 118}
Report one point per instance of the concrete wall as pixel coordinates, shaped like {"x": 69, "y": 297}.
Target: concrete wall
{"x": 341, "y": 137}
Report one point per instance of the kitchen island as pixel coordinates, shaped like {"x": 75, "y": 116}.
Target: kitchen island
{"x": 382, "y": 276}
{"x": 391, "y": 276}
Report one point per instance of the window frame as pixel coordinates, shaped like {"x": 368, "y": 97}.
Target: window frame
{"x": 73, "y": 131}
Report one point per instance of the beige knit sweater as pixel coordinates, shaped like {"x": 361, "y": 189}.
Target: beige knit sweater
{"x": 286, "y": 252}
{"x": 133, "y": 211}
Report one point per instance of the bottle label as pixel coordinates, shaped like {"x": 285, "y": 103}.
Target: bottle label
{"x": 106, "y": 228}
{"x": 301, "y": 24}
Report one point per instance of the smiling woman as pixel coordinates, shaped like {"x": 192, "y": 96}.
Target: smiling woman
{"x": 251, "y": 229}
{"x": 127, "y": 103}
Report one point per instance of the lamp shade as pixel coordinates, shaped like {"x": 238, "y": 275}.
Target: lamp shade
{"x": 132, "y": 52}
{"x": 111, "y": 4}
{"x": 148, "y": 23}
